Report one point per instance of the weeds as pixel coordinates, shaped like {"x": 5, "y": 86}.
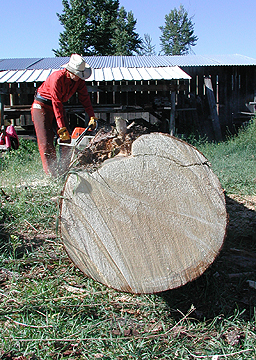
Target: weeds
{"x": 50, "y": 310}
{"x": 234, "y": 160}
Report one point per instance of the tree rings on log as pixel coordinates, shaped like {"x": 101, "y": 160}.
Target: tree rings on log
{"x": 147, "y": 222}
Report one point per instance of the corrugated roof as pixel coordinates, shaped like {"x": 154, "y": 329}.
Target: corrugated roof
{"x": 212, "y": 60}
{"x": 110, "y": 68}
{"x": 103, "y": 74}
{"x": 98, "y": 62}
{"x": 18, "y": 64}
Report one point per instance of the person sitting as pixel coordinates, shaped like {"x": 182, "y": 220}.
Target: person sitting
{"x": 8, "y": 136}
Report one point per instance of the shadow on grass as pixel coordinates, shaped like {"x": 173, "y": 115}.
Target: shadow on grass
{"x": 224, "y": 288}
{"x": 16, "y": 246}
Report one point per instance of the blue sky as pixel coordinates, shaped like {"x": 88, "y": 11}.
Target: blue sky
{"x": 31, "y": 28}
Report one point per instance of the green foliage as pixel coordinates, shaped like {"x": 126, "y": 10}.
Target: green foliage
{"x": 102, "y": 15}
{"x": 125, "y": 40}
{"x": 96, "y": 28}
{"x": 76, "y": 29}
{"x": 178, "y": 33}
{"x": 146, "y": 46}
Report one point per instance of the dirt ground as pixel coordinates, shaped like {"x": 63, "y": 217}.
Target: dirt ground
{"x": 242, "y": 217}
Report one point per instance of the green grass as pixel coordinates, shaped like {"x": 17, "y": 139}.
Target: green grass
{"x": 234, "y": 160}
{"x": 50, "y": 310}
{"x": 26, "y": 192}
{"x": 21, "y": 165}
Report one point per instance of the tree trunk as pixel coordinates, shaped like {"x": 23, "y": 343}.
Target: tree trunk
{"x": 147, "y": 222}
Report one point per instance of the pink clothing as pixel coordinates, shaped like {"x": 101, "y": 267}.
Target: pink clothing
{"x": 9, "y": 134}
{"x": 2, "y": 141}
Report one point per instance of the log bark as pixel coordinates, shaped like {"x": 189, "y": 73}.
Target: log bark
{"x": 147, "y": 222}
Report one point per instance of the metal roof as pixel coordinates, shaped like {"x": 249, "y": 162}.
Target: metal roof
{"x": 213, "y": 60}
{"x": 98, "y": 62}
{"x": 117, "y": 68}
{"x": 103, "y": 74}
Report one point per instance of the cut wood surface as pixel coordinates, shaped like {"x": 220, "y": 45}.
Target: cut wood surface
{"x": 147, "y": 222}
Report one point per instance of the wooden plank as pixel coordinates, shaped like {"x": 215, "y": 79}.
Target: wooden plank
{"x": 135, "y": 87}
{"x": 213, "y": 109}
{"x": 1, "y": 109}
{"x": 172, "y": 114}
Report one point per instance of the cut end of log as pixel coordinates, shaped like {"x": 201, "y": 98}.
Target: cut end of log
{"x": 146, "y": 222}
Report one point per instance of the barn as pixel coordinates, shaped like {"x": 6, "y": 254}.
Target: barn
{"x": 205, "y": 95}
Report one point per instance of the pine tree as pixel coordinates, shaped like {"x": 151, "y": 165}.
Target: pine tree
{"x": 125, "y": 40}
{"x": 146, "y": 46}
{"x": 96, "y": 27}
{"x": 178, "y": 33}
{"x": 76, "y": 35}
{"x": 102, "y": 17}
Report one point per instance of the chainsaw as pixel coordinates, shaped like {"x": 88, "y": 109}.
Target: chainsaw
{"x": 79, "y": 140}
{"x": 78, "y": 135}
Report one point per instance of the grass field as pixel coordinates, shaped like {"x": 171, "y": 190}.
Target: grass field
{"x": 50, "y": 310}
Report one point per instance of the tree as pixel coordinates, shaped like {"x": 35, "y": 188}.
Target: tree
{"x": 102, "y": 17}
{"x": 178, "y": 33}
{"x": 146, "y": 46}
{"x": 75, "y": 37}
{"x": 96, "y": 27}
{"x": 125, "y": 40}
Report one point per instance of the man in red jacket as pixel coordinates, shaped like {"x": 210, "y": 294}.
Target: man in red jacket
{"x": 48, "y": 104}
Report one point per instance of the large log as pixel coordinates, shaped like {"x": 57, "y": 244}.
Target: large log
{"x": 147, "y": 222}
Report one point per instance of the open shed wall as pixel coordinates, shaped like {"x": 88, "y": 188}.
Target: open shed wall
{"x": 234, "y": 87}
{"x": 146, "y": 99}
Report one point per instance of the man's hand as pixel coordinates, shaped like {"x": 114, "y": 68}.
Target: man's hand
{"x": 64, "y": 135}
{"x": 92, "y": 123}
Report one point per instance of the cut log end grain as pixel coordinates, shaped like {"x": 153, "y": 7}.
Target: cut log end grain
{"x": 146, "y": 222}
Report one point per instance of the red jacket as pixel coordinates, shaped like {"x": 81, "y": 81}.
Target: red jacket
{"x": 58, "y": 88}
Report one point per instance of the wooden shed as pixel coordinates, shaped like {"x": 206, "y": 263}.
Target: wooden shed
{"x": 177, "y": 94}
{"x": 232, "y": 81}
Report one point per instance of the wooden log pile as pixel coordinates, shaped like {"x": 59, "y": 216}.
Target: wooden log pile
{"x": 142, "y": 212}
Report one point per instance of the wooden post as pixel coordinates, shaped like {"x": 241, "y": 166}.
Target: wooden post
{"x": 213, "y": 109}
{"x": 11, "y": 87}
{"x": 172, "y": 114}
{"x": 12, "y": 97}
{"x": 1, "y": 108}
